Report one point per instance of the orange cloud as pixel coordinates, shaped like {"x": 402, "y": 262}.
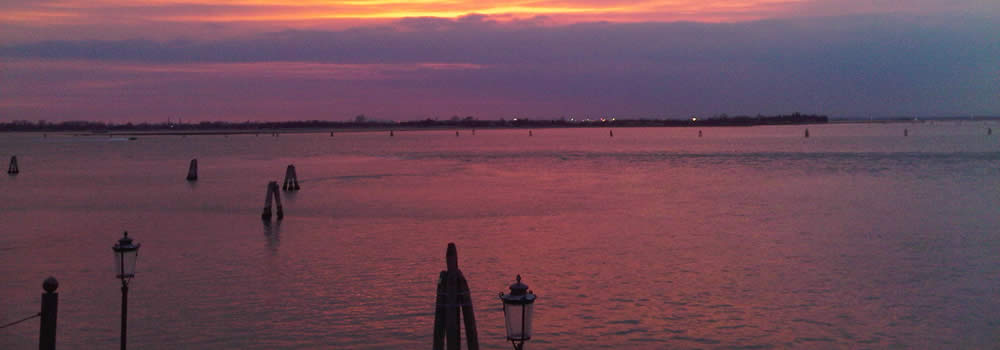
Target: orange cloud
{"x": 307, "y": 10}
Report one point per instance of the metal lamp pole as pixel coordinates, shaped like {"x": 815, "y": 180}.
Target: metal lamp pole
{"x": 125, "y": 257}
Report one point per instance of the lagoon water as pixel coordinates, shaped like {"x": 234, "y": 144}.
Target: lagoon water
{"x": 856, "y": 237}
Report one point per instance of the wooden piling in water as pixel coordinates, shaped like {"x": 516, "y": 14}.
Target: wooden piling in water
{"x": 272, "y": 192}
{"x": 291, "y": 182}
{"x": 193, "y": 170}
{"x": 989, "y": 131}
{"x": 530, "y": 133}
{"x": 906, "y": 132}
{"x": 454, "y": 302}
{"x": 611, "y": 133}
{"x": 456, "y": 133}
{"x": 699, "y": 133}
{"x": 49, "y": 314}
{"x": 13, "y": 169}
{"x": 391, "y": 133}
{"x": 807, "y": 133}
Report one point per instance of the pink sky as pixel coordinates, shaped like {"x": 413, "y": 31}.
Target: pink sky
{"x": 264, "y": 59}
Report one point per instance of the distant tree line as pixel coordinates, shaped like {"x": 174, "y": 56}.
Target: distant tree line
{"x": 362, "y": 122}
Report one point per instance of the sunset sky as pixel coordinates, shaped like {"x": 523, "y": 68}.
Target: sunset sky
{"x": 118, "y": 60}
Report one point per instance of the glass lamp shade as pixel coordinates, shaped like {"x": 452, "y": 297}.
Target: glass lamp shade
{"x": 518, "y": 319}
{"x": 518, "y": 309}
{"x": 125, "y": 257}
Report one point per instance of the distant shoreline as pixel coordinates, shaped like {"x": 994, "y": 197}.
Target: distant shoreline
{"x": 304, "y": 127}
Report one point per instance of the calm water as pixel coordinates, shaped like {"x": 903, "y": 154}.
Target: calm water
{"x": 749, "y": 237}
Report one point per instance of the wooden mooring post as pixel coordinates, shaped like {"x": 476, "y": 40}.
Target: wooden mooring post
{"x": 291, "y": 179}
{"x": 193, "y": 170}
{"x": 13, "y": 170}
{"x": 272, "y": 191}
{"x": 807, "y": 133}
{"x": 453, "y": 303}
{"x": 50, "y": 309}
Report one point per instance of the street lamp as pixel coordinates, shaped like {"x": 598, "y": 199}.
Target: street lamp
{"x": 125, "y": 256}
{"x": 518, "y": 308}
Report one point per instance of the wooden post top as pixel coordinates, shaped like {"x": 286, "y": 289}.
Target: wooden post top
{"x": 452, "y": 257}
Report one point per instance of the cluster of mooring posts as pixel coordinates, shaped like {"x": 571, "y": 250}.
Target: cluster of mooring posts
{"x": 454, "y": 302}
{"x": 13, "y": 169}
{"x": 272, "y": 192}
{"x": 454, "y": 305}
{"x": 193, "y": 170}
{"x": 291, "y": 179}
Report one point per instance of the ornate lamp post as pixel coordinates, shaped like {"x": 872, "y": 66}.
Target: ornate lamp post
{"x": 518, "y": 308}
{"x": 125, "y": 256}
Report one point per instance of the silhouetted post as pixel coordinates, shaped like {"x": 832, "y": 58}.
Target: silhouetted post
{"x": 906, "y": 132}
{"x": 989, "y": 131}
{"x": 454, "y": 301}
{"x": 391, "y": 133}
{"x": 699, "y": 133}
{"x": 473, "y": 132}
{"x": 291, "y": 182}
{"x": 456, "y": 133}
{"x": 13, "y": 170}
{"x": 807, "y": 133}
{"x": 611, "y": 133}
{"x": 277, "y": 200}
{"x": 193, "y": 170}
{"x": 530, "y": 133}
{"x": 50, "y": 307}
{"x": 272, "y": 192}
{"x": 331, "y": 134}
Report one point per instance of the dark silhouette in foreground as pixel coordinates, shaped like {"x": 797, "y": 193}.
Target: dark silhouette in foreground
{"x": 453, "y": 302}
